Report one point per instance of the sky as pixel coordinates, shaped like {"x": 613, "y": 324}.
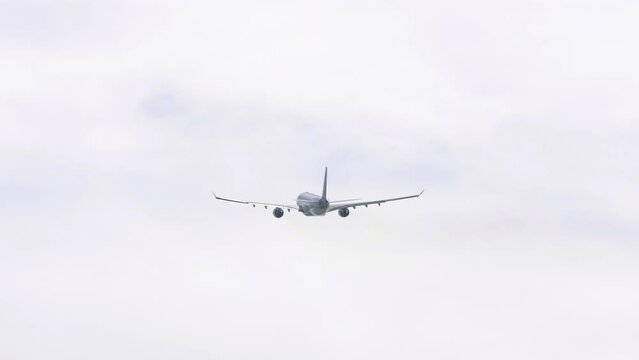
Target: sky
{"x": 518, "y": 118}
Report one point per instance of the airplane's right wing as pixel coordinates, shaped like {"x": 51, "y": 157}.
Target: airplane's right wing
{"x": 372, "y": 202}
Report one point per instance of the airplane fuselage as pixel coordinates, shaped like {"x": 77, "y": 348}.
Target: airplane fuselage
{"x": 312, "y": 205}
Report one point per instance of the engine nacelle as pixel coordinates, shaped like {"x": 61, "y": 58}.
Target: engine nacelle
{"x": 343, "y": 212}
{"x": 278, "y": 212}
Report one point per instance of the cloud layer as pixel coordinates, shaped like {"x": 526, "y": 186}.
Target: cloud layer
{"x": 118, "y": 119}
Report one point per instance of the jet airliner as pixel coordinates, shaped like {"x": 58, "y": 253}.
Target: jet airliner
{"x": 316, "y": 205}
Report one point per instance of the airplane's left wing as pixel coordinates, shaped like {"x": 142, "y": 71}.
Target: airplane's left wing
{"x": 266, "y": 205}
{"x": 372, "y": 202}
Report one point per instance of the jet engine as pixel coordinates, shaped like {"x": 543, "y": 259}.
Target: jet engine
{"x": 343, "y": 212}
{"x": 278, "y": 212}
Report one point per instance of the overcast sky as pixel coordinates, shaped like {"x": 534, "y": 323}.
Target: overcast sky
{"x": 519, "y": 118}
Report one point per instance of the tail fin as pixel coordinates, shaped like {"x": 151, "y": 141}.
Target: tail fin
{"x": 324, "y": 189}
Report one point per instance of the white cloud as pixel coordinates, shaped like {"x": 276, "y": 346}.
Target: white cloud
{"x": 117, "y": 119}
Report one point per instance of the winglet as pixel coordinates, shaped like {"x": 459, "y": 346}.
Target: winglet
{"x": 215, "y": 196}
{"x": 421, "y": 192}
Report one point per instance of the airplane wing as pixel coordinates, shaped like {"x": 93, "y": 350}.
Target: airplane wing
{"x": 266, "y": 205}
{"x": 372, "y": 202}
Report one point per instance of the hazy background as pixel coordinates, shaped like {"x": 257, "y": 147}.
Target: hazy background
{"x": 519, "y": 118}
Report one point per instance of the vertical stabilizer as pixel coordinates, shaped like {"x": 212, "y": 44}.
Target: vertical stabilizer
{"x": 324, "y": 188}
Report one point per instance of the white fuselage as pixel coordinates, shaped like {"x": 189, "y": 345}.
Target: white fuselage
{"x": 312, "y": 205}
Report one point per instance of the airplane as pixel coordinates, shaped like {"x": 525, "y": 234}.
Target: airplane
{"x": 315, "y": 205}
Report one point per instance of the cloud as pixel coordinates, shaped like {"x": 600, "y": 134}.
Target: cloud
{"x": 118, "y": 119}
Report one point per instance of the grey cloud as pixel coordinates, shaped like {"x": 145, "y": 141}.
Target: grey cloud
{"x": 165, "y": 104}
